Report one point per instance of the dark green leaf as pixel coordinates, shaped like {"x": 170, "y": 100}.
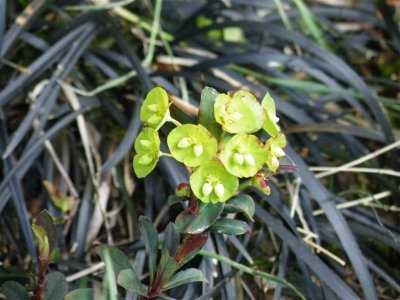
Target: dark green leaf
{"x": 14, "y": 290}
{"x": 118, "y": 259}
{"x": 129, "y": 281}
{"x": 241, "y": 204}
{"x": 184, "y": 277}
{"x": 173, "y": 199}
{"x": 150, "y": 238}
{"x": 230, "y": 226}
{"x": 171, "y": 239}
{"x": 206, "y": 111}
{"x": 166, "y": 269}
{"x": 89, "y": 294}
{"x": 45, "y": 221}
{"x": 81, "y": 294}
{"x": 56, "y": 287}
{"x": 207, "y": 214}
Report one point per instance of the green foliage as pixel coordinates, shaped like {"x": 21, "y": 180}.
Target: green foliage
{"x": 240, "y": 113}
{"x": 185, "y": 277}
{"x": 204, "y": 217}
{"x": 147, "y": 147}
{"x": 204, "y": 146}
{"x": 241, "y": 204}
{"x": 155, "y": 108}
{"x": 242, "y": 155}
{"x": 211, "y": 182}
{"x": 230, "y": 227}
{"x": 129, "y": 281}
{"x": 192, "y": 144}
{"x": 45, "y": 232}
{"x": 150, "y": 238}
{"x": 14, "y": 290}
{"x": 56, "y": 287}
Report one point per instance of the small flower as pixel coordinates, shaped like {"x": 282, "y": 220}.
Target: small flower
{"x": 211, "y": 182}
{"x": 155, "y": 108}
{"x": 275, "y": 146}
{"x": 147, "y": 147}
{"x": 192, "y": 144}
{"x": 271, "y": 122}
{"x": 239, "y": 113}
{"x": 243, "y": 155}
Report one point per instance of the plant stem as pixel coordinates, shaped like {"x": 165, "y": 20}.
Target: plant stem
{"x": 251, "y": 271}
{"x": 172, "y": 120}
{"x": 38, "y": 294}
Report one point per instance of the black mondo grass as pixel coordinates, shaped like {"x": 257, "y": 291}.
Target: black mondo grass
{"x": 73, "y": 75}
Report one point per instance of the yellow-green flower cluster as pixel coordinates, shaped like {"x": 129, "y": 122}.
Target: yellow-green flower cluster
{"x": 218, "y": 162}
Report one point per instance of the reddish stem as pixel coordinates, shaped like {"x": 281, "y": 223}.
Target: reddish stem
{"x": 38, "y": 294}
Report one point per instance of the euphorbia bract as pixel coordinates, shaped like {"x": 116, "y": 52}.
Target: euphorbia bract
{"x": 216, "y": 163}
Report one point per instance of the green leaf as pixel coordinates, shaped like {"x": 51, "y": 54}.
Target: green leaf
{"x": 206, "y": 112}
{"x": 184, "y": 277}
{"x": 230, "y": 226}
{"x": 155, "y": 108}
{"x": 173, "y": 199}
{"x": 45, "y": 221}
{"x": 14, "y": 290}
{"x": 171, "y": 239}
{"x": 243, "y": 155}
{"x": 271, "y": 122}
{"x": 212, "y": 182}
{"x": 275, "y": 146}
{"x": 129, "y": 281}
{"x": 55, "y": 286}
{"x": 241, "y": 204}
{"x": 240, "y": 113}
{"x": 42, "y": 241}
{"x": 81, "y": 294}
{"x": 147, "y": 147}
{"x": 118, "y": 258}
{"x": 150, "y": 237}
{"x": 206, "y": 215}
{"x": 192, "y": 144}
{"x": 165, "y": 270}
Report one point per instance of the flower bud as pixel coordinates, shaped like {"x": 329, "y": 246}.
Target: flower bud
{"x": 238, "y": 158}
{"x": 145, "y": 160}
{"x": 219, "y": 190}
{"x": 184, "y": 143}
{"x": 183, "y": 190}
{"x": 153, "y": 107}
{"x": 145, "y": 144}
{"x": 154, "y": 120}
{"x": 206, "y": 189}
{"x": 278, "y": 152}
{"x": 198, "y": 150}
{"x": 236, "y": 116}
{"x": 249, "y": 159}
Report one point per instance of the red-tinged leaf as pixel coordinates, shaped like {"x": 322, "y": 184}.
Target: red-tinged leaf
{"x": 45, "y": 220}
{"x": 207, "y": 214}
{"x": 191, "y": 245}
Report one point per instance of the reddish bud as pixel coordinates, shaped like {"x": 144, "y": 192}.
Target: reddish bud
{"x": 183, "y": 190}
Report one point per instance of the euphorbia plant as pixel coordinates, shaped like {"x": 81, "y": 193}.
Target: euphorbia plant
{"x": 223, "y": 153}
